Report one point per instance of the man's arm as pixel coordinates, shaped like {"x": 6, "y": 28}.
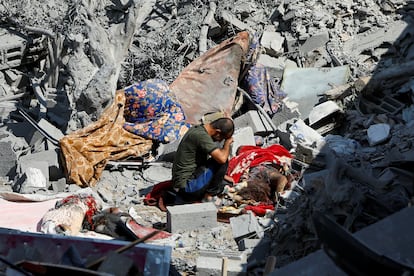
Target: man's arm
{"x": 221, "y": 155}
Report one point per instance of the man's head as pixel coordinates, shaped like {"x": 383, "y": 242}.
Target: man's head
{"x": 224, "y": 129}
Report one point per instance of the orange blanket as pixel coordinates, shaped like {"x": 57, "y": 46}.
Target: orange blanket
{"x": 86, "y": 152}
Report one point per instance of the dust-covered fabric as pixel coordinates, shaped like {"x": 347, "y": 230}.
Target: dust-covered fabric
{"x": 152, "y": 111}
{"x": 258, "y": 83}
{"x": 86, "y": 152}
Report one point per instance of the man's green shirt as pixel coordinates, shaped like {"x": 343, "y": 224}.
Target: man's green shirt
{"x": 192, "y": 152}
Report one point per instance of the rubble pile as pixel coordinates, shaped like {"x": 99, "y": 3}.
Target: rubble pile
{"x": 348, "y": 116}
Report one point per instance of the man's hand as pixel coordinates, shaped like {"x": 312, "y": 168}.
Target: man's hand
{"x": 221, "y": 155}
{"x": 229, "y": 141}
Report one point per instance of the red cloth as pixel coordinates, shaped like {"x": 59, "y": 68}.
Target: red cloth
{"x": 153, "y": 197}
{"x": 259, "y": 210}
{"x": 250, "y": 156}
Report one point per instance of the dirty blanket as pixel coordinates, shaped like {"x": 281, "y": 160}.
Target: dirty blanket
{"x": 250, "y": 156}
{"x": 152, "y": 111}
{"x": 86, "y": 152}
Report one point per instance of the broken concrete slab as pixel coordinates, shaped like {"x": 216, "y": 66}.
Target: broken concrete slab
{"x": 374, "y": 38}
{"x": 315, "y": 41}
{"x": 303, "y": 85}
{"x": 275, "y": 66}
{"x": 244, "y": 226}
{"x": 323, "y": 110}
{"x": 272, "y": 42}
{"x": 233, "y": 20}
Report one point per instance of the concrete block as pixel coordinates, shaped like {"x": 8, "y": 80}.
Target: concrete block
{"x": 211, "y": 263}
{"x": 11, "y": 50}
{"x": 244, "y": 226}
{"x": 256, "y": 121}
{"x": 242, "y": 136}
{"x": 191, "y": 216}
{"x": 233, "y": 20}
{"x": 386, "y": 104}
{"x": 16, "y": 78}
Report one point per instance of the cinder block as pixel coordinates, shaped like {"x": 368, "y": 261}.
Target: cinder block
{"x": 191, "y": 216}
{"x": 242, "y": 136}
{"x": 256, "y": 121}
{"x": 211, "y": 263}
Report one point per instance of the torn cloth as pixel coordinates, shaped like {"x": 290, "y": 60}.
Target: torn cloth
{"x": 209, "y": 83}
{"x": 250, "y": 156}
{"x": 86, "y": 151}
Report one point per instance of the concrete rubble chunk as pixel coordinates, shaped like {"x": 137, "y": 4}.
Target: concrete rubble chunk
{"x": 272, "y": 42}
{"x": 275, "y": 66}
{"x": 374, "y": 38}
{"x": 378, "y": 133}
{"x": 322, "y": 111}
{"x": 32, "y": 180}
{"x": 244, "y": 226}
{"x": 303, "y": 85}
{"x": 232, "y": 19}
{"x": 53, "y": 171}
